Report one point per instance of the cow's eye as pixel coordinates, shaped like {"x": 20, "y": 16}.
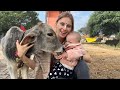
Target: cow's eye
{"x": 50, "y": 34}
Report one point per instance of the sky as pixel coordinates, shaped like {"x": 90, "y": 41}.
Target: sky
{"x": 80, "y": 18}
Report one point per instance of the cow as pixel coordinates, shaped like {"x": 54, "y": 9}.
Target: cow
{"x": 113, "y": 42}
{"x": 45, "y": 41}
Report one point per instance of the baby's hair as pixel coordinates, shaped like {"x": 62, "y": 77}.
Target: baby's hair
{"x": 76, "y": 34}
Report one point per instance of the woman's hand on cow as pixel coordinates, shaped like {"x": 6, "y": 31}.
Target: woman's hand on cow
{"x": 22, "y": 49}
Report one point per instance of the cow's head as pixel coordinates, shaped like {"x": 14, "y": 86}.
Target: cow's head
{"x": 43, "y": 37}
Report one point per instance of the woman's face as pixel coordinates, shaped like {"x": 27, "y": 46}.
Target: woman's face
{"x": 63, "y": 27}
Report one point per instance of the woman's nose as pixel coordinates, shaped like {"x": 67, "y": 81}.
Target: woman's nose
{"x": 65, "y": 27}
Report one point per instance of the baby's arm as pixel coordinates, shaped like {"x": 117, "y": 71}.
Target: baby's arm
{"x": 74, "y": 54}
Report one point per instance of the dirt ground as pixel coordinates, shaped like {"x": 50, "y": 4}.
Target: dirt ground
{"x": 4, "y": 74}
{"x": 105, "y": 63}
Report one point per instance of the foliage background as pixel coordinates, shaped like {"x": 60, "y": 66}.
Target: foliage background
{"x": 17, "y": 18}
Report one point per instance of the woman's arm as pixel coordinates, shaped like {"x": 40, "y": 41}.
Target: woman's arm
{"x": 86, "y": 56}
{"x": 30, "y": 63}
{"x": 21, "y": 51}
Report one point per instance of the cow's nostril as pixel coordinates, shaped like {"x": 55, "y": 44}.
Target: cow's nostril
{"x": 50, "y": 34}
{"x": 59, "y": 53}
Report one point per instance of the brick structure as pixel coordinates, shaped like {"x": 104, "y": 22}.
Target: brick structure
{"x": 51, "y": 17}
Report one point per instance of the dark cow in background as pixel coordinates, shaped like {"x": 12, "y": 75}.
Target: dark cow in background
{"x": 113, "y": 42}
{"x": 45, "y": 41}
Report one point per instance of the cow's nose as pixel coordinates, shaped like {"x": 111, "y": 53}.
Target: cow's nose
{"x": 59, "y": 53}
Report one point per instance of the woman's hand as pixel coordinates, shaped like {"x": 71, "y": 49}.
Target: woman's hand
{"x": 22, "y": 49}
{"x": 87, "y": 57}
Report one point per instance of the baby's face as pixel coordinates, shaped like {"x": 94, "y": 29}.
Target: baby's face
{"x": 71, "y": 39}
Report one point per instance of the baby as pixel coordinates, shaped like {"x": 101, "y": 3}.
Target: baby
{"x": 73, "y": 51}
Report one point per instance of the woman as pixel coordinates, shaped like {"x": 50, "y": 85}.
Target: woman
{"x": 64, "y": 25}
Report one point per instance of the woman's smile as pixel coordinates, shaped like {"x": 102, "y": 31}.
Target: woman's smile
{"x": 63, "y": 33}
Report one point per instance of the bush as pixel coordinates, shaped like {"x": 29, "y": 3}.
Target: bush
{"x": 118, "y": 37}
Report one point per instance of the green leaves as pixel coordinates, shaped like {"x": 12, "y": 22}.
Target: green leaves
{"x": 16, "y": 18}
{"x": 106, "y": 21}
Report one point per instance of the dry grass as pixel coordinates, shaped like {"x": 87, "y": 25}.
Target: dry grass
{"x": 106, "y": 61}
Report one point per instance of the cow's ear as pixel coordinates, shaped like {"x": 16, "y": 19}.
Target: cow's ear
{"x": 39, "y": 23}
{"x": 28, "y": 39}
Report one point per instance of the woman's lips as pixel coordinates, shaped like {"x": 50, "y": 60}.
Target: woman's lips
{"x": 63, "y": 33}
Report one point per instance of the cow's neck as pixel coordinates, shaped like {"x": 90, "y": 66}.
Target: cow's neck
{"x": 43, "y": 60}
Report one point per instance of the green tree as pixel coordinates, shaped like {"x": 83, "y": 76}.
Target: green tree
{"x": 118, "y": 37}
{"x": 108, "y": 22}
{"x": 16, "y": 18}
{"x": 84, "y": 30}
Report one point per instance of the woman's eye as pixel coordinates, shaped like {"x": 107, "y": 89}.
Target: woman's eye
{"x": 62, "y": 23}
{"x": 69, "y": 26}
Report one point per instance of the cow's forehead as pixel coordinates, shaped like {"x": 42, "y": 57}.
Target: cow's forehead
{"x": 47, "y": 26}
{"x": 43, "y": 27}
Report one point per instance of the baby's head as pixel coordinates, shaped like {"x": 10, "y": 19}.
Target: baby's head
{"x": 73, "y": 38}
